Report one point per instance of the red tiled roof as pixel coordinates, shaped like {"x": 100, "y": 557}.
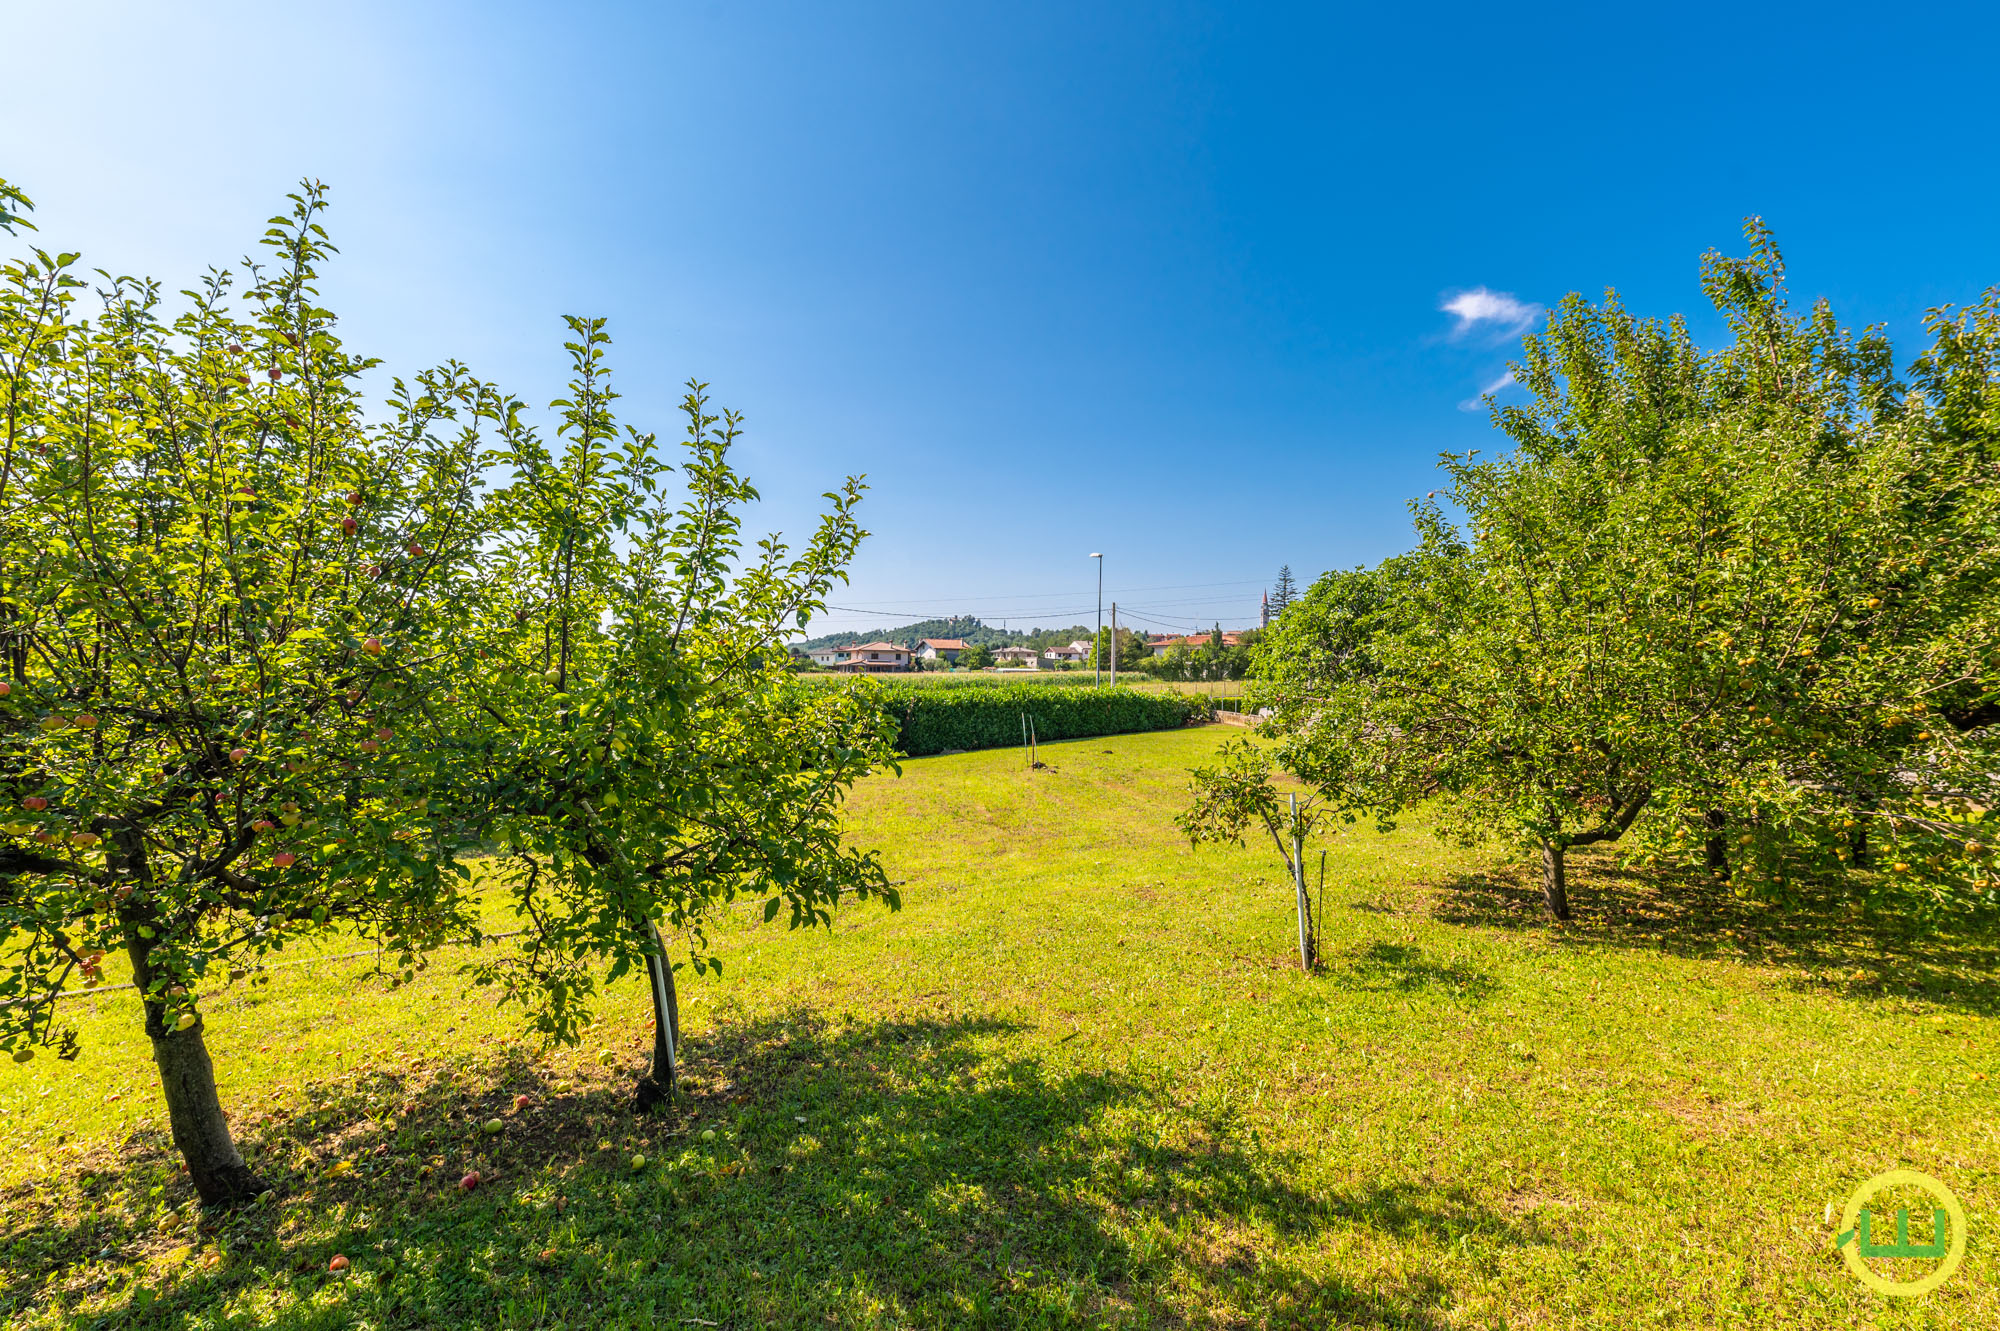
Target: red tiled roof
{"x": 946, "y": 644}
{"x": 1192, "y": 640}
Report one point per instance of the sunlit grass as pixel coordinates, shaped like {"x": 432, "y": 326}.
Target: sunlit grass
{"x": 1078, "y": 1080}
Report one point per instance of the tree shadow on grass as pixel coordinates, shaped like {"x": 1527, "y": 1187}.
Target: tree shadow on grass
{"x": 1403, "y": 968}
{"x": 1821, "y": 942}
{"x": 822, "y": 1172}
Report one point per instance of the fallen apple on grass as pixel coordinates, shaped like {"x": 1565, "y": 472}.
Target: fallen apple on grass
{"x": 469, "y": 1182}
{"x": 494, "y": 1127}
{"x": 339, "y": 1263}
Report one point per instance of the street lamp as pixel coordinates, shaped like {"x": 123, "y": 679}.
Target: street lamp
{"x": 1097, "y": 666}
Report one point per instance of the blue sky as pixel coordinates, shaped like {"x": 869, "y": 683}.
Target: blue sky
{"x": 1172, "y": 282}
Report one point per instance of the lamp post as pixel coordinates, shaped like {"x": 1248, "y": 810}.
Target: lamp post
{"x": 1097, "y": 666}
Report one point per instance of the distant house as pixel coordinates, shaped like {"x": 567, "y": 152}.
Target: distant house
{"x": 831, "y": 657}
{"x": 875, "y": 658}
{"x": 940, "y": 649}
{"x": 1016, "y": 656}
{"x": 1076, "y": 651}
{"x": 1193, "y": 642}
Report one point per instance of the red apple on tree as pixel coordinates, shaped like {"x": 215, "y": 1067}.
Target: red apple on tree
{"x": 373, "y": 646}
{"x": 237, "y": 755}
{"x": 85, "y": 722}
{"x": 284, "y": 859}
{"x": 349, "y": 525}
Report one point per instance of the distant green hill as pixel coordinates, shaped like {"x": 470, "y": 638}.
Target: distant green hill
{"x": 964, "y": 627}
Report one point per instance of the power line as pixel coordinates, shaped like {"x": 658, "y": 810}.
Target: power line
{"x": 989, "y": 598}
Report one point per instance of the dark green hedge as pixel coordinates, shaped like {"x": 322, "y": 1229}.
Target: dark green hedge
{"x": 989, "y": 717}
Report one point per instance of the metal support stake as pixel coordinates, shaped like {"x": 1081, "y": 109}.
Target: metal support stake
{"x": 1299, "y": 887}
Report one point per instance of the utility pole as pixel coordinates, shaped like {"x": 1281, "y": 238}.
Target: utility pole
{"x": 1114, "y": 644}
{"x": 1097, "y": 666}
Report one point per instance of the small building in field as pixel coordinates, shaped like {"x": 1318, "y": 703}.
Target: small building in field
{"x": 1017, "y": 656}
{"x": 940, "y": 649}
{"x": 828, "y": 657}
{"x": 1076, "y": 651}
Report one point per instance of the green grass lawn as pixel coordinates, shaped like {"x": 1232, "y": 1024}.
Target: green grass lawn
{"x": 1077, "y": 1080}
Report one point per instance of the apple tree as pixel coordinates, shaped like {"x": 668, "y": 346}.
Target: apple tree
{"x": 652, "y": 757}
{"x": 229, "y": 616}
{"x": 1739, "y": 604}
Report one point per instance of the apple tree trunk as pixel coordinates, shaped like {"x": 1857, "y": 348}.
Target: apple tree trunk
{"x": 194, "y": 1111}
{"x": 1716, "y": 847}
{"x": 1554, "y": 890}
{"x": 659, "y": 1085}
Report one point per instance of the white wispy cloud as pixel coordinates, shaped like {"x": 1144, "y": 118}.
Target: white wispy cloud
{"x": 1477, "y": 400}
{"x": 1498, "y": 312}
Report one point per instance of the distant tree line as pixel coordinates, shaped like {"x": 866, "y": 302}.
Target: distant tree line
{"x": 965, "y": 628}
